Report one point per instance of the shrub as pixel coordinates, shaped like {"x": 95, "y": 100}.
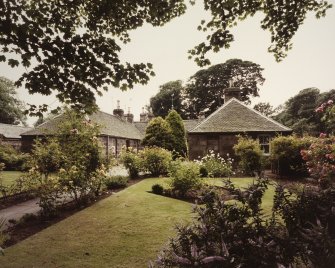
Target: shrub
{"x": 213, "y": 165}
{"x": 116, "y": 182}
{"x": 131, "y": 161}
{"x": 179, "y": 142}
{"x": 184, "y": 177}
{"x": 320, "y": 158}
{"x": 157, "y": 189}
{"x": 285, "y": 155}
{"x": 236, "y": 234}
{"x": 12, "y": 159}
{"x": 250, "y": 155}
{"x": 156, "y": 160}
{"x": 158, "y": 133}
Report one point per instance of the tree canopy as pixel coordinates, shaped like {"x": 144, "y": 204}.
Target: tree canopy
{"x": 169, "y": 92}
{"x": 266, "y": 108}
{"x": 205, "y": 89}
{"x": 11, "y": 108}
{"x": 299, "y": 111}
{"x": 72, "y": 47}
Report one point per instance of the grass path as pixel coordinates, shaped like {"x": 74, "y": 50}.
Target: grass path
{"x": 9, "y": 177}
{"x": 124, "y": 230}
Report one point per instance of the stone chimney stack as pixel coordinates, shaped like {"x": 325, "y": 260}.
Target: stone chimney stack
{"x": 143, "y": 116}
{"x": 150, "y": 115}
{"x": 232, "y": 92}
{"x": 129, "y": 116}
{"x": 118, "y": 111}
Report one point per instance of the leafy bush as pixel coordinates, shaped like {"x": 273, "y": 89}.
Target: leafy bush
{"x": 116, "y": 182}
{"x": 213, "y": 165}
{"x": 184, "y": 177}
{"x": 74, "y": 157}
{"x": 236, "y": 234}
{"x": 250, "y": 155}
{"x": 132, "y": 162}
{"x": 320, "y": 158}
{"x": 157, "y": 189}
{"x": 156, "y": 160}
{"x": 179, "y": 142}
{"x": 285, "y": 155}
{"x": 12, "y": 159}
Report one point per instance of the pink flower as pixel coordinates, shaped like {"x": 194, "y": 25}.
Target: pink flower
{"x": 323, "y": 135}
{"x": 330, "y": 102}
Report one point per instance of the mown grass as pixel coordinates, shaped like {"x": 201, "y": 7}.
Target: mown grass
{"x": 125, "y": 230}
{"x": 9, "y": 177}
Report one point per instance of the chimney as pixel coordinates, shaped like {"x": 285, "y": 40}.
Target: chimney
{"x": 150, "y": 115}
{"x": 143, "y": 116}
{"x": 129, "y": 116}
{"x": 232, "y": 92}
{"x": 118, "y": 111}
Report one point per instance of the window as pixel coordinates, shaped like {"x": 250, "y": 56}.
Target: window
{"x": 264, "y": 141}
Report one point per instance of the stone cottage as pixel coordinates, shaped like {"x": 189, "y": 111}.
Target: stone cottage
{"x": 117, "y": 130}
{"x": 219, "y": 131}
{"x": 10, "y": 134}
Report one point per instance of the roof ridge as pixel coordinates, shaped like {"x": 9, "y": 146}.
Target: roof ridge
{"x": 212, "y": 114}
{"x": 14, "y": 125}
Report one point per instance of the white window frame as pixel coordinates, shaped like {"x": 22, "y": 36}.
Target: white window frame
{"x": 262, "y": 143}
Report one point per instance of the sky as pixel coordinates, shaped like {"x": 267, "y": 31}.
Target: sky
{"x": 309, "y": 64}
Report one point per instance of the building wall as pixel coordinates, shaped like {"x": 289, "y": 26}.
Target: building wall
{"x": 16, "y": 143}
{"x": 222, "y": 143}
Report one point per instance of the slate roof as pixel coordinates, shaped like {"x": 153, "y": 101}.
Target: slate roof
{"x": 141, "y": 126}
{"x": 235, "y": 116}
{"x": 110, "y": 125}
{"x": 188, "y": 124}
{"x": 12, "y": 131}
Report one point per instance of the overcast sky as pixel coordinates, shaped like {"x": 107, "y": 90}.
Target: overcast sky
{"x": 309, "y": 64}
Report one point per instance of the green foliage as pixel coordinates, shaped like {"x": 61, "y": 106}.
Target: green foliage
{"x": 156, "y": 160}
{"x": 179, "y": 142}
{"x": 73, "y": 154}
{"x": 158, "y": 133}
{"x": 76, "y": 48}
{"x": 74, "y": 44}
{"x": 285, "y": 155}
{"x": 282, "y": 26}
{"x": 205, "y": 90}
{"x": 157, "y": 189}
{"x": 299, "y": 112}
{"x": 184, "y": 177}
{"x": 12, "y": 159}
{"x": 213, "y": 165}
{"x": 11, "y": 109}
{"x": 116, "y": 182}
{"x": 250, "y": 155}
{"x": 131, "y": 161}
{"x": 238, "y": 234}
{"x": 161, "y": 103}
{"x": 266, "y": 109}
{"x": 320, "y": 158}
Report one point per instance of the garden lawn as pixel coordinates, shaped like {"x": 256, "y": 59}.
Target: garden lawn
{"x": 9, "y": 177}
{"x": 125, "y": 230}
{"x": 267, "y": 200}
